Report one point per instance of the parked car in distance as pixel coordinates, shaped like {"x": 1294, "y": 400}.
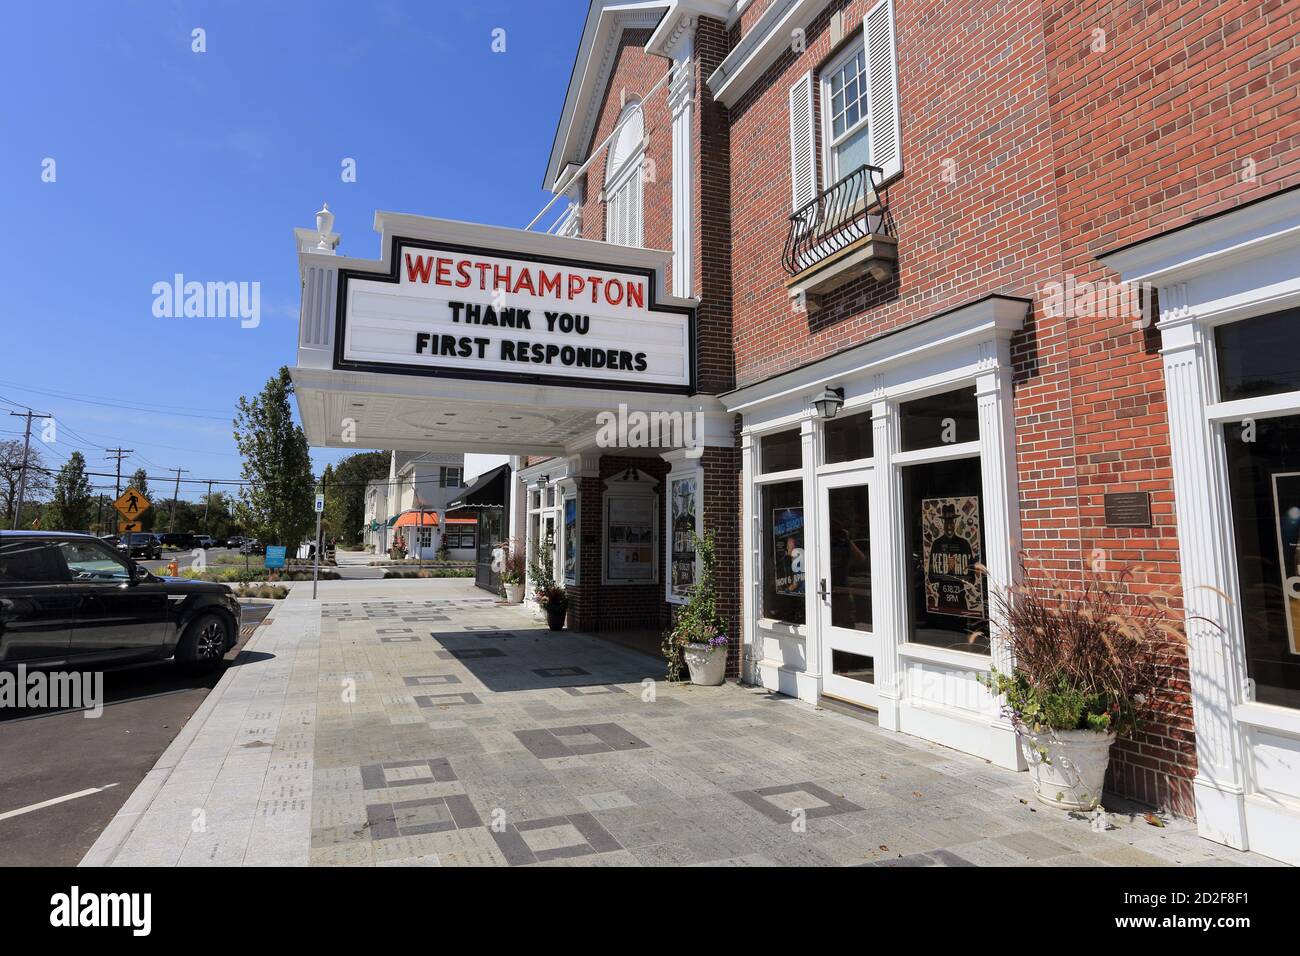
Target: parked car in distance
{"x": 235, "y": 541}
{"x": 252, "y": 546}
{"x": 112, "y": 539}
{"x": 203, "y": 541}
{"x": 140, "y": 544}
{"x": 70, "y": 599}
{"x": 177, "y": 539}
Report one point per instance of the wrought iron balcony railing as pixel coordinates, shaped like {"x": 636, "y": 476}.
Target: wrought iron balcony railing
{"x": 842, "y": 214}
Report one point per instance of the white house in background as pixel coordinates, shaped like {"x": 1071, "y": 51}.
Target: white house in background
{"x": 418, "y": 489}
{"x": 375, "y": 526}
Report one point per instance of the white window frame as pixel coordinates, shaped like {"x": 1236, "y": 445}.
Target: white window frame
{"x": 856, "y": 46}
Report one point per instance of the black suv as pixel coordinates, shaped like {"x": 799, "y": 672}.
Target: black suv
{"x": 140, "y": 544}
{"x": 177, "y": 539}
{"x": 71, "y": 599}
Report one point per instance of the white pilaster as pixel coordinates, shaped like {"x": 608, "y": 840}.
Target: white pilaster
{"x": 1214, "y": 641}
{"x": 888, "y": 570}
{"x": 681, "y": 99}
{"x": 812, "y": 569}
{"x": 993, "y": 396}
{"x": 749, "y": 561}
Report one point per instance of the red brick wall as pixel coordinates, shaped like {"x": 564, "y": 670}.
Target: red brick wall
{"x": 1159, "y": 113}
{"x": 1026, "y": 154}
{"x": 716, "y": 371}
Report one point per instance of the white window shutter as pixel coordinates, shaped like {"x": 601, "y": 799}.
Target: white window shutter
{"x": 883, "y": 120}
{"x": 803, "y": 143}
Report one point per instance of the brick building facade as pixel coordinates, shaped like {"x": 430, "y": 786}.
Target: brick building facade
{"x": 972, "y": 284}
{"x": 1034, "y": 137}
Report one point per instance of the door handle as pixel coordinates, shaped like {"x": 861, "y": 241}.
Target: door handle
{"x": 821, "y": 590}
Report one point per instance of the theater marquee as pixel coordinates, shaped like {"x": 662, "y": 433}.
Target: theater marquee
{"x": 460, "y": 312}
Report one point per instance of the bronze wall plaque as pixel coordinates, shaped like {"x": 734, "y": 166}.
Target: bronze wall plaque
{"x": 1128, "y": 509}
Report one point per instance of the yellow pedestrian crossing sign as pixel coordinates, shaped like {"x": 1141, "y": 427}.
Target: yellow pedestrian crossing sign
{"x": 126, "y": 526}
{"x": 132, "y": 504}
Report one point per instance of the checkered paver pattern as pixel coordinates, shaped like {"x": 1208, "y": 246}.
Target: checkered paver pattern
{"x": 482, "y": 738}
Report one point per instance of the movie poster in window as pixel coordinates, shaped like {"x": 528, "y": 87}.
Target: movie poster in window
{"x": 683, "y": 526}
{"x": 629, "y": 552}
{"x": 570, "y": 540}
{"x": 1286, "y": 518}
{"x": 950, "y": 552}
{"x": 787, "y": 542}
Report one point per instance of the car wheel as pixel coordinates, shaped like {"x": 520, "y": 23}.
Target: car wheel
{"x": 203, "y": 645}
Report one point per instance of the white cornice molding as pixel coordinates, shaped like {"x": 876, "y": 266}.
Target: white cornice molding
{"x": 760, "y": 47}
{"x": 1221, "y": 241}
{"x": 992, "y": 317}
{"x": 681, "y": 20}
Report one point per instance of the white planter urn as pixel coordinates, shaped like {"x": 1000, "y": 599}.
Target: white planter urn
{"x": 1068, "y": 766}
{"x": 707, "y": 664}
{"x": 514, "y": 593}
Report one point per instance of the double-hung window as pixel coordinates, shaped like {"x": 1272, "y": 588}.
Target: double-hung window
{"x": 844, "y": 109}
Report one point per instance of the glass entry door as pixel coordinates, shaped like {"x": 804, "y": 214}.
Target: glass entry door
{"x": 849, "y": 645}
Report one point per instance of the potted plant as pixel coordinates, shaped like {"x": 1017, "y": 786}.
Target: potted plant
{"x": 699, "y": 635}
{"x": 512, "y": 572}
{"x": 1087, "y": 661}
{"x": 549, "y": 595}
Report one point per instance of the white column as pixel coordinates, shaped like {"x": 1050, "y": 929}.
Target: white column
{"x": 888, "y": 567}
{"x": 1212, "y": 624}
{"x": 748, "y": 558}
{"x": 681, "y": 99}
{"x": 813, "y": 571}
{"x": 993, "y": 396}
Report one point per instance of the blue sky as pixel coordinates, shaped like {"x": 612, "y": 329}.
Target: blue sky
{"x": 171, "y": 161}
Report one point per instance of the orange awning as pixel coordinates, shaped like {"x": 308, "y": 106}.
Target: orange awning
{"x": 420, "y": 519}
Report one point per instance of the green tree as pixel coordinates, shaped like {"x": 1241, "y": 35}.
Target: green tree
{"x": 276, "y": 503}
{"x": 140, "y": 482}
{"x": 71, "y": 506}
{"x": 345, "y": 494}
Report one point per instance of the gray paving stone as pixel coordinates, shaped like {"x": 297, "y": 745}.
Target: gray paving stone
{"x": 493, "y": 741}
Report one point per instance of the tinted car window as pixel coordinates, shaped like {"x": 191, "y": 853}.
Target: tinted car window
{"x": 88, "y": 561}
{"x": 30, "y": 562}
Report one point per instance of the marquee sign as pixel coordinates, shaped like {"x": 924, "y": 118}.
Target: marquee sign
{"x": 460, "y": 312}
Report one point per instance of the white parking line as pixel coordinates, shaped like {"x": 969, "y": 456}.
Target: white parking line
{"x": 49, "y": 803}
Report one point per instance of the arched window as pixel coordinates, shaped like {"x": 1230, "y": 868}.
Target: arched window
{"x": 623, "y": 179}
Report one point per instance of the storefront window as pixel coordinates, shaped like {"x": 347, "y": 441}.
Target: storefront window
{"x": 781, "y": 452}
{"x": 683, "y": 505}
{"x": 783, "y": 551}
{"x": 1259, "y": 356}
{"x": 848, "y": 438}
{"x": 570, "y": 533}
{"x": 947, "y": 419}
{"x": 948, "y": 598}
{"x": 1264, "y": 491}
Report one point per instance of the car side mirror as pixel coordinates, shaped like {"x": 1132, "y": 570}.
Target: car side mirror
{"x": 139, "y": 573}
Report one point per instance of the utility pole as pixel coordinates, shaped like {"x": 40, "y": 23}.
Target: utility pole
{"x": 176, "y": 494}
{"x": 206, "y": 503}
{"x": 22, "y": 473}
{"x": 119, "y": 454}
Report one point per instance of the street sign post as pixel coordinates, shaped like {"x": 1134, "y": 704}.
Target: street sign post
{"x": 315, "y": 569}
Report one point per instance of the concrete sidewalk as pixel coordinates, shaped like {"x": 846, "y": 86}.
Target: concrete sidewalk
{"x": 418, "y": 722}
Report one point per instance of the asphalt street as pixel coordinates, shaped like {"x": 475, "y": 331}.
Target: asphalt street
{"x": 64, "y": 776}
